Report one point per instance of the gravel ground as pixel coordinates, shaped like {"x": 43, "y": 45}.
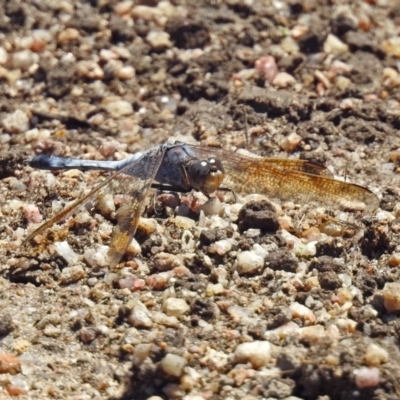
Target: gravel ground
{"x": 257, "y": 302}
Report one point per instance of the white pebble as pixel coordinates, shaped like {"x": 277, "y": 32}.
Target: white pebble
{"x": 119, "y": 108}
{"x": 17, "y": 122}
{"x": 300, "y": 311}
{"x": 51, "y": 331}
{"x": 64, "y": 250}
{"x": 367, "y": 377}
{"x": 24, "y": 59}
{"x": 221, "y": 247}
{"x": 159, "y": 40}
{"x": 106, "y": 205}
{"x": 183, "y": 222}
{"x": 125, "y": 72}
{"x": 162, "y": 319}
{"x": 333, "y": 45}
{"x": 258, "y": 353}
{"x": 68, "y": 35}
{"x": 175, "y": 307}
{"x": 249, "y": 262}
{"x": 283, "y": 80}
{"x": 375, "y": 355}
{"x": 90, "y": 70}
{"x": 173, "y": 365}
{"x": 140, "y": 316}
{"x": 97, "y": 257}
{"x": 391, "y": 296}
{"x": 147, "y": 13}
{"x": 214, "y": 289}
{"x": 214, "y": 359}
{"x": 212, "y": 206}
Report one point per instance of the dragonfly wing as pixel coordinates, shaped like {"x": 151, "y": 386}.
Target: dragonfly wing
{"x": 133, "y": 182}
{"x": 280, "y": 163}
{"x": 286, "y": 181}
{"x": 67, "y": 211}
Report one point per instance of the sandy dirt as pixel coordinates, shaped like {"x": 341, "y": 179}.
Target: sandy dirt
{"x": 259, "y": 302}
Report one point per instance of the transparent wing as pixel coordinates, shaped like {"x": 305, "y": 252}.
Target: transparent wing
{"x": 133, "y": 183}
{"x": 294, "y": 180}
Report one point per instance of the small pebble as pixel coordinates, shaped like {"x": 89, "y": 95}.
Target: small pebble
{"x": 214, "y": 289}
{"x": 64, "y": 250}
{"x": 68, "y": 35}
{"x": 333, "y": 45}
{"x": 125, "y": 72}
{"x": 267, "y": 67}
{"x": 290, "y": 45}
{"x": 300, "y": 311}
{"x": 72, "y": 274}
{"x": 283, "y": 80}
{"x": 221, "y": 247}
{"x": 175, "y": 307}
{"x": 212, "y": 206}
{"x": 166, "y": 262}
{"x": 375, "y": 355}
{"x": 290, "y": 143}
{"x": 159, "y": 40}
{"x": 32, "y": 214}
{"x": 106, "y": 205}
{"x": 394, "y": 260}
{"x": 24, "y": 59}
{"x": 215, "y": 360}
{"x": 146, "y": 13}
{"x": 21, "y": 346}
{"x": 89, "y": 70}
{"x": 123, "y": 7}
{"x": 391, "y": 296}
{"x": 183, "y": 222}
{"x": 367, "y": 377}
{"x": 16, "y": 122}
{"x": 313, "y": 333}
{"x": 119, "y": 108}
{"x": 9, "y": 364}
{"x": 51, "y": 331}
{"x": 140, "y": 316}
{"x": 173, "y": 365}
{"x": 390, "y": 78}
{"x": 19, "y": 384}
{"x": 391, "y": 46}
{"x": 87, "y": 335}
{"x": 97, "y": 258}
{"x": 158, "y": 281}
{"x": 249, "y": 262}
{"x": 132, "y": 283}
{"x": 163, "y": 319}
{"x": 258, "y": 353}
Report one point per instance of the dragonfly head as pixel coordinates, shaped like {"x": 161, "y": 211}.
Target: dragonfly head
{"x": 205, "y": 175}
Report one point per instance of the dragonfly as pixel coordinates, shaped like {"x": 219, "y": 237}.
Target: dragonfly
{"x": 182, "y": 167}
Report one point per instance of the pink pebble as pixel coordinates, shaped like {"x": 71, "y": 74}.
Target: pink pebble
{"x": 32, "y": 214}
{"x": 267, "y": 66}
{"x": 367, "y": 377}
{"x": 132, "y": 283}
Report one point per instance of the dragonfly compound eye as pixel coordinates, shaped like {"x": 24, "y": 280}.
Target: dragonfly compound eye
{"x": 206, "y": 175}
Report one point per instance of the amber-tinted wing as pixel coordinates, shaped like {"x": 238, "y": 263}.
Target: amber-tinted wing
{"x": 133, "y": 183}
{"x": 288, "y": 180}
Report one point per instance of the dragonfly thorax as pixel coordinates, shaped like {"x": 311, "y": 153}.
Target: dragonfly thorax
{"x": 205, "y": 175}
